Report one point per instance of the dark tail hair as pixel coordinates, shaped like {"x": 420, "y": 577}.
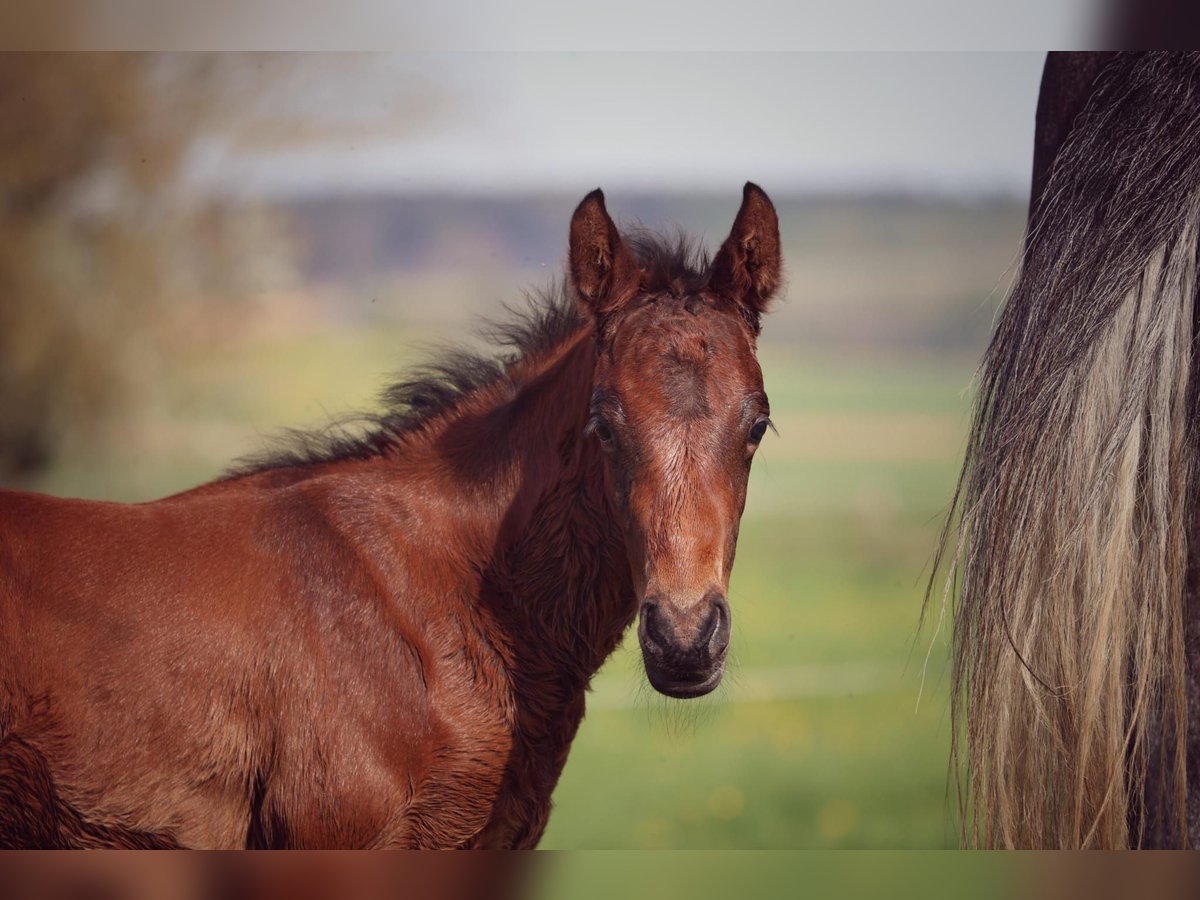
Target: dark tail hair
{"x": 1075, "y": 498}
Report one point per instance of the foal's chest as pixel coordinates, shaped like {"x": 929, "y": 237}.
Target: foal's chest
{"x": 522, "y": 808}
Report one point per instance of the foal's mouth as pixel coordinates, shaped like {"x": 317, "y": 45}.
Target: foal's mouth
{"x": 685, "y": 689}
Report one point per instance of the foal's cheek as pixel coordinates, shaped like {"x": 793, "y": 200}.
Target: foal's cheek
{"x": 618, "y": 483}
{"x": 731, "y": 550}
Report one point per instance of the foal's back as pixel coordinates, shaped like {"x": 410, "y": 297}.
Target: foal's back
{"x": 199, "y": 669}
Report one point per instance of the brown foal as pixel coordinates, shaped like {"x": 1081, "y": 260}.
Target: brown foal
{"x": 385, "y": 639}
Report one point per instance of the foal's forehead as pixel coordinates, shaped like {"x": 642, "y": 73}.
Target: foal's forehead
{"x": 689, "y": 330}
{"x": 690, "y": 348}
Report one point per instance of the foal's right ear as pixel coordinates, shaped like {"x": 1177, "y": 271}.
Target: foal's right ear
{"x": 604, "y": 273}
{"x": 749, "y": 266}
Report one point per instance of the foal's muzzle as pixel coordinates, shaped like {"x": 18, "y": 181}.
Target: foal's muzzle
{"x": 684, "y": 647}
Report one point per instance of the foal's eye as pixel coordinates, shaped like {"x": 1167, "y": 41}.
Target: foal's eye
{"x": 603, "y": 433}
{"x": 759, "y": 429}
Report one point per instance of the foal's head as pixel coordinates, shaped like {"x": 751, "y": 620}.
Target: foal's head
{"x": 679, "y": 409}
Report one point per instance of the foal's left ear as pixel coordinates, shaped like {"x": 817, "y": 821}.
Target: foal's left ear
{"x": 749, "y": 266}
{"x": 603, "y": 270}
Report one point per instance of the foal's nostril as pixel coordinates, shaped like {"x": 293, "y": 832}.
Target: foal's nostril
{"x": 652, "y": 628}
{"x": 716, "y": 630}
{"x": 710, "y": 626}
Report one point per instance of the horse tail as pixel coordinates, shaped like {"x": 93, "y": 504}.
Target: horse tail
{"x": 1077, "y": 492}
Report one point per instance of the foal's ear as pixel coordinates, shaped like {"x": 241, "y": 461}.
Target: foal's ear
{"x": 603, "y": 270}
{"x": 749, "y": 266}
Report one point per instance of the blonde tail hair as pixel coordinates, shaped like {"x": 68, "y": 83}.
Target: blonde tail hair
{"x": 1074, "y": 504}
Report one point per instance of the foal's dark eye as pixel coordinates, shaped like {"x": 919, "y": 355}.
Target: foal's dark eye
{"x": 759, "y": 429}
{"x": 602, "y": 431}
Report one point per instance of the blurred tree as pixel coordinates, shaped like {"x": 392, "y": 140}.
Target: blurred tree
{"x": 115, "y": 251}
{"x": 99, "y": 247}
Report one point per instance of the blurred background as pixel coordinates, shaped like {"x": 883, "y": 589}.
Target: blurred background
{"x": 199, "y": 249}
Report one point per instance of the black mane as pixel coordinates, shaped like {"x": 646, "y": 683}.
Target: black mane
{"x": 673, "y": 265}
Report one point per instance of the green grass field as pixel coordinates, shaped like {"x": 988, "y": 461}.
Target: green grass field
{"x": 816, "y": 738}
{"x": 722, "y": 875}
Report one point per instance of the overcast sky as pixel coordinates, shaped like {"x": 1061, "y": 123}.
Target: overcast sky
{"x": 952, "y": 122}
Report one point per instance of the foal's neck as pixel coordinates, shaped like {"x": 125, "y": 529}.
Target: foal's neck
{"x": 555, "y": 566}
